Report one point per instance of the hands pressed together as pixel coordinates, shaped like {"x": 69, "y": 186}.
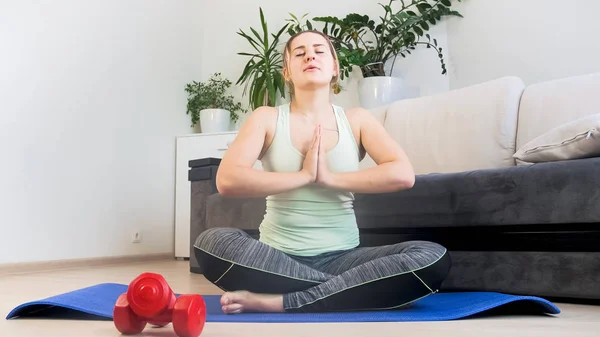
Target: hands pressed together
{"x": 315, "y": 162}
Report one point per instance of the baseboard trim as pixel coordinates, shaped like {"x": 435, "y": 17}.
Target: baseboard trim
{"x": 46, "y": 266}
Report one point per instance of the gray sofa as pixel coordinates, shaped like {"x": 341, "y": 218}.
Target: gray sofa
{"x": 531, "y": 229}
{"x": 500, "y": 237}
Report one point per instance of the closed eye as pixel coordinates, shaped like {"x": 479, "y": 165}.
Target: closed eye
{"x": 302, "y": 54}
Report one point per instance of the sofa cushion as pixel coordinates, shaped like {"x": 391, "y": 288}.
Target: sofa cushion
{"x": 560, "y": 192}
{"x": 574, "y": 140}
{"x": 549, "y": 104}
{"x": 459, "y": 130}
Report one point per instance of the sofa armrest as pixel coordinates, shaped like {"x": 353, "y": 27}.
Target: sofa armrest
{"x": 562, "y": 192}
{"x": 210, "y": 209}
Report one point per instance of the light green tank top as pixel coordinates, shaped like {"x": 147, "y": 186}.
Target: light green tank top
{"x": 312, "y": 219}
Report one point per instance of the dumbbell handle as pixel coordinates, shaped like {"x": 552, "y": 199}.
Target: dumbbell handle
{"x": 165, "y": 317}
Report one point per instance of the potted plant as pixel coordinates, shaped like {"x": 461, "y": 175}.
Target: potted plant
{"x": 263, "y": 72}
{"x": 361, "y": 42}
{"x": 209, "y": 104}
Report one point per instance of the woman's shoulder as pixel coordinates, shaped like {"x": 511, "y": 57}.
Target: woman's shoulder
{"x": 355, "y": 114}
{"x": 264, "y": 114}
{"x": 264, "y": 118}
{"x": 265, "y": 110}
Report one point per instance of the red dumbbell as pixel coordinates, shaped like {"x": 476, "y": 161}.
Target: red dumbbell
{"x": 149, "y": 299}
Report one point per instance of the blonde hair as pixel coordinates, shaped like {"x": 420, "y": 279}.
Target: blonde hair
{"x": 286, "y": 55}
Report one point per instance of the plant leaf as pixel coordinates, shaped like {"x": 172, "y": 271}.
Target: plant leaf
{"x": 265, "y": 29}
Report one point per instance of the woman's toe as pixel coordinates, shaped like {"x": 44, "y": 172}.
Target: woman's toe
{"x": 232, "y": 308}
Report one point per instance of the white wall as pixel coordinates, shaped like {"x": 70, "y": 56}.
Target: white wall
{"x": 91, "y": 98}
{"x": 537, "y": 40}
{"x": 421, "y": 71}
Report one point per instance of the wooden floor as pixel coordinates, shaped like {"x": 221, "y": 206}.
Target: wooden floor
{"x": 575, "y": 320}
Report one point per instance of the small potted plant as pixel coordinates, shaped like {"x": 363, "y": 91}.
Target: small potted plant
{"x": 209, "y": 104}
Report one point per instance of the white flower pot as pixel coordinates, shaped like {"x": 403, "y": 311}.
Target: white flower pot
{"x": 214, "y": 120}
{"x": 379, "y": 90}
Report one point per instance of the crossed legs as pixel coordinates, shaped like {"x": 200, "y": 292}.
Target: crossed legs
{"x": 257, "y": 277}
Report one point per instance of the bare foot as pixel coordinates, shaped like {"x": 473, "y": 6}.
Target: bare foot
{"x": 235, "y": 302}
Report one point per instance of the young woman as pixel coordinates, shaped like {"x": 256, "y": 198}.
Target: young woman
{"x": 307, "y": 258}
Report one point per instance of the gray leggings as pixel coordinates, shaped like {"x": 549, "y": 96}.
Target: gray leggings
{"x": 363, "y": 278}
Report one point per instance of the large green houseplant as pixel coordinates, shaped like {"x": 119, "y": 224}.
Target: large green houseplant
{"x": 263, "y": 72}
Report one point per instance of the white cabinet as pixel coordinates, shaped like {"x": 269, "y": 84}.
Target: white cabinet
{"x": 190, "y": 147}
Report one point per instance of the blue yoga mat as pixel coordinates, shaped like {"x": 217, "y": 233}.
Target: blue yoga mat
{"x": 98, "y": 302}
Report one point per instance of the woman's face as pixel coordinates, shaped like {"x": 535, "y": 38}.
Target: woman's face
{"x": 311, "y": 63}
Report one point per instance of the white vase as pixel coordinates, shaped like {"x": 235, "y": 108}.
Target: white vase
{"x": 214, "y": 120}
{"x": 379, "y": 90}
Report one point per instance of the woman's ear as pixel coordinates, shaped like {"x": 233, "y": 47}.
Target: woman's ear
{"x": 286, "y": 74}
{"x": 336, "y": 71}
{"x": 336, "y": 68}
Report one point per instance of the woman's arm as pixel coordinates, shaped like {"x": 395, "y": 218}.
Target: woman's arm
{"x": 393, "y": 172}
{"x": 236, "y": 176}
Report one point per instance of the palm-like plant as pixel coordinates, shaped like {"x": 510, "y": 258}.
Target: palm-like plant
{"x": 263, "y": 72}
